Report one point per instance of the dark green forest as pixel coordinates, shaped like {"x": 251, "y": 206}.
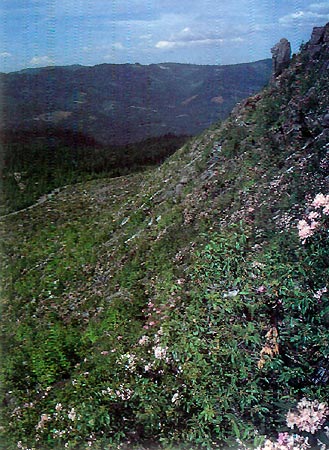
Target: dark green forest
{"x": 35, "y": 163}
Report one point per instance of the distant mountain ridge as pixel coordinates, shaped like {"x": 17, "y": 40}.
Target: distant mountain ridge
{"x": 122, "y": 103}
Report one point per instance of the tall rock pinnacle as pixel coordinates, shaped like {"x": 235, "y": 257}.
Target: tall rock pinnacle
{"x": 281, "y": 53}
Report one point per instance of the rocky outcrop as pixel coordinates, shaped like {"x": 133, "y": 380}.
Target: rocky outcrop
{"x": 281, "y": 54}
{"x": 319, "y": 38}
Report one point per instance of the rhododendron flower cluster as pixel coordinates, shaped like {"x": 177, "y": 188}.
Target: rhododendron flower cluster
{"x": 306, "y": 228}
{"x": 160, "y": 352}
{"x": 309, "y": 416}
{"x": 286, "y": 442}
{"x": 321, "y": 200}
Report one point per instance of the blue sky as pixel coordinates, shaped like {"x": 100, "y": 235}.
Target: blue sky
{"x": 37, "y": 33}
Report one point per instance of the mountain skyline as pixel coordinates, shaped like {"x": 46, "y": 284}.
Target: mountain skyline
{"x": 86, "y": 32}
{"x": 120, "y": 104}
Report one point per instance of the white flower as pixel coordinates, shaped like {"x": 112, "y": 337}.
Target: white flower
{"x": 143, "y": 340}
{"x": 318, "y": 294}
{"x": 175, "y": 397}
{"x": 160, "y": 352}
{"x": 72, "y": 414}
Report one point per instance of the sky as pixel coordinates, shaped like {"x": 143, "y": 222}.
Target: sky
{"x": 38, "y": 33}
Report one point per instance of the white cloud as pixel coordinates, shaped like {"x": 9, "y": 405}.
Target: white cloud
{"x": 188, "y": 38}
{"x": 165, "y": 45}
{"x": 104, "y": 47}
{"x": 320, "y": 7}
{"x": 118, "y": 46}
{"x": 41, "y": 61}
{"x": 5, "y": 55}
{"x": 306, "y": 17}
{"x": 146, "y": 36}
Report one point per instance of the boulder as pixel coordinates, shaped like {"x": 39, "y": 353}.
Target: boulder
{"x": 281, "y": 54}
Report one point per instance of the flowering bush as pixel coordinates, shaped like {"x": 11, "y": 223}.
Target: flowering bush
{"x": 308, "y": 418}
{"x": 306, "y": 228}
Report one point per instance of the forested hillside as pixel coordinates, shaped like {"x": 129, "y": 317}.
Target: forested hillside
{"x": 118, "y": 104}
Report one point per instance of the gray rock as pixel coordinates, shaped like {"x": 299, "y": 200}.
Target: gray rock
{"x": 317, "y": 35}
{"x": 281, "y": 54}
{"x": 326, "y": 34}
{"x": 314, "y": 50}
{"x": 184, "y": 180}
{"x": 325, "y": 120}
{"x": 179, "y": 189}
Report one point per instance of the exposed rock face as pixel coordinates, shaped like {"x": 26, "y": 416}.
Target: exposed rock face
{"x": 317, "y": 35}
{"x": 320, "y": 37}
{"x": 281, "y": 54}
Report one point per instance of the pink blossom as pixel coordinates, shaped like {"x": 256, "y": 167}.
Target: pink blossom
{"x": 290, "y": 419}
{"x": 283, "y": 438}
{"x": 313, "y": 215}
{"x": 261, "y": 289}
{"x": 310, "y": 416}
{"x": 43, "y": 420}
{"x": 314, "y": 225}
{"x": 143, "y": 340}
{"x": 320, "y": 200}
{"x": 304, "y": 230}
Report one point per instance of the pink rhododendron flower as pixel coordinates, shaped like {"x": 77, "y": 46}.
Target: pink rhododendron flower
{"x": 261, "y": 289}
{"x": 304, "y": 230}
{"x": 320, "y": 200}
{"x": 307, "y": 227}
{"x": 310, "y": 416}
{"x": 283, "y": 438}
{"x": 313, "y": 215}
{"x": 143, "y": 340}
{"x": 314, "y": 225}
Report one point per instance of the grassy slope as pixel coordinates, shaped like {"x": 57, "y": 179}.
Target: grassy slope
{"x": 145, "y": 308}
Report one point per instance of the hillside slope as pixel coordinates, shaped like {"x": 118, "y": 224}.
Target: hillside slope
{"x": 182, "y": 307}
{"x": 117, "y": 104}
